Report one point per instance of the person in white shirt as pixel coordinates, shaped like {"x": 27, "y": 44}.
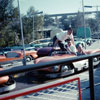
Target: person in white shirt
{"x": 70, "y": 48}
{"x": 62, "y": 36}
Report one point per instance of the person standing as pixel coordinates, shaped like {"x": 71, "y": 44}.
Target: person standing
{"x": 62, "y": 36}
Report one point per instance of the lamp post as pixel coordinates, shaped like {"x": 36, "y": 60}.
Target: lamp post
{"x": 84, "y": 22}
{"x": 21, "y": 25}
{"x": 91, "y": 76}
{"x": 33, "y": 22}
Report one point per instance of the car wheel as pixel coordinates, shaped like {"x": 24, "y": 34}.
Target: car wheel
{"x": 64, "y": 68}
{"x": 50, "y": 44}
{"x": 28, "y": 58}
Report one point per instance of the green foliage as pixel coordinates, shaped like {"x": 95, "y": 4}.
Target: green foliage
{"x": 48, "y": 20}
{"x": 28, "y": 25}
{"x": 97, "y": 15}
{"x": 10, "y": 31}
{"x": 2, "y": 41}
{"x": 6, "y": 10}
{"x": 93, "y": 24}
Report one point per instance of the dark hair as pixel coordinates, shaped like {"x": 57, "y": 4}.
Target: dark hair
{"x": 78, "y": 45}
{"x": 67, "y": 40}
{"x": 69, "y": 28}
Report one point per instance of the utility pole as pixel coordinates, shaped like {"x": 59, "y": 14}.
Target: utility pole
{"x": 84, "y": 22}
{"x": 21, "y": 25}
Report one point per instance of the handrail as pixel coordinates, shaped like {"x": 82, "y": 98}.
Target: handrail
{"x": 26, "y": 68}
{"x": 41, "y": 87}
{"x": 20, "y": 69}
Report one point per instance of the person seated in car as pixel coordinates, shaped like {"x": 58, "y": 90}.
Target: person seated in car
{"x": 70, "y": 47}
{"x": 80, "y": 50}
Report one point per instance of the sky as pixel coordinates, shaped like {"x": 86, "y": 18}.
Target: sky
{"x": 57, "y": 6}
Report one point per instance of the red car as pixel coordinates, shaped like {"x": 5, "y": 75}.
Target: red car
{"x": 62, "y": 70}
{"x": 16, "y": 55}
{"x": 3, "y": 79}
{"x": 6, "y": 83}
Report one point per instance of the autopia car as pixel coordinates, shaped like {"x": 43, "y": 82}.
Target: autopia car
{"x": 17, "y": 55}
{"x": 63, "y": 69}
{"x": 7, "y": 83}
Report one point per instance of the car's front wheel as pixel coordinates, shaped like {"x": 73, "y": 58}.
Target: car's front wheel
{"x": 28, "y": 58}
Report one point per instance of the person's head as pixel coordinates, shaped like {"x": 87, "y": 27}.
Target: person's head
{"x": 70, "y": 30}
{"x": 69, "y": 41}
{"x": 79, "y": 47}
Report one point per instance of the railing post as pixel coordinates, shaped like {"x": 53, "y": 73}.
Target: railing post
{"x": 91, "y": 79}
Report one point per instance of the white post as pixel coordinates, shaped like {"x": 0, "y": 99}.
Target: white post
{"x": 21, "y": 25}
{"x": 84, "y": 21}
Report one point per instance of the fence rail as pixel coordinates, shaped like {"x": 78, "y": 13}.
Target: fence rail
{"x": 21, "y": 69}
{"x": 71, "y": 89}
{"x": 26, "y": 68}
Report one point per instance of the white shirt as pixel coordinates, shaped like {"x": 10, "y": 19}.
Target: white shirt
{"x": 72, "y": 49}
{"x": 62, "y": 36}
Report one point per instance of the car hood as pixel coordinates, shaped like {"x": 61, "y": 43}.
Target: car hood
{"x": 51, "y": 58}
{"x": 62, "y": 56}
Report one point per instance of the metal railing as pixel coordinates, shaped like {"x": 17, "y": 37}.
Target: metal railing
{"x": 63, "y": 89}
{"x": 26, "y": 68}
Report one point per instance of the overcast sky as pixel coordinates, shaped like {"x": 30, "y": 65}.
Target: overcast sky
{"x": 57, "y": 6}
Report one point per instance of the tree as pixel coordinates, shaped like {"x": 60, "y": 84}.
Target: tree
{"x": 65, "y": 22}
{"x": 6, "y": 10}
{"x": 93, "y": 24}
{"x": 28, "y": 24}
{"x": 97, "y": 16}
{"x": 79, "y": 19}
{"x": 48, "y": 21}
{"x": 98, "y": 20}
{"x": 6, "y": 17}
